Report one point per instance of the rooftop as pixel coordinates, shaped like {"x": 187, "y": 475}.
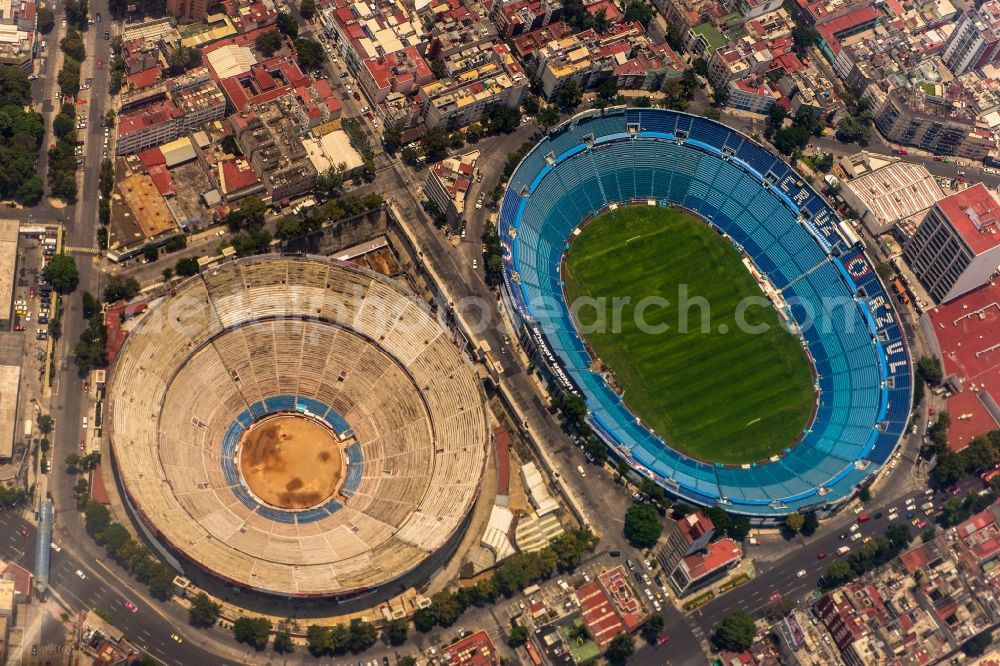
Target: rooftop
{"x": 974, "y": 213}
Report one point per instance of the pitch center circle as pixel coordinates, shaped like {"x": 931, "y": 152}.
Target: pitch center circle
{"x": 291, "y": 461}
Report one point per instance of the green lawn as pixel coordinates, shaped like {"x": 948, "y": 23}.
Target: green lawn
{"x": 723, "y": 395}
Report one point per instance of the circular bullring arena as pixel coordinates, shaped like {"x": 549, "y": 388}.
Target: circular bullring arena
{"x": 297, "y": 426}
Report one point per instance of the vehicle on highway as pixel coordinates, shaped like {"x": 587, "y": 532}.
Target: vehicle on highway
{"x": 84, "y": 422}
{"x": 107, "y": 35}
{"x": 98, "y": 17}
{"x": 902, "y": 151}
{"x": 131, "y": 606}
{"x": 663, "y": 639}
{"x": 615, "y": 553}
{"x": 863, "y": 518}
{"x": 176, "y": 638}
{"x": 855, "y": 527}
{"x": 820, "y": 555}
{"x": 475, "y": 264}
{"x": 55, "y": 547}
{"x": 775, "y": 596}
{"x": 842, "y": 550}
{"x": 800, "y": 573}
{"x": 23, "y": 531}
{"x": 81, "y": 575}
{"x": 892, "y": 516}
{"x": 579, "y": 468}
{"x": 937, "y": 158}
{"x": 100, "y": 63}
{"x": 855, "y": 536}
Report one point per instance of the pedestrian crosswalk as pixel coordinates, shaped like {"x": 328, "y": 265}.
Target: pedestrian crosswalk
{"x": 70, "y": 249}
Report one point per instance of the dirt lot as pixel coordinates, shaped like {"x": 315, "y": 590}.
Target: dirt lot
{"x": 291, "y": 462}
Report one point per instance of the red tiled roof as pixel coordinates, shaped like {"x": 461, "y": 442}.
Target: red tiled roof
{"x": 143, "y": 79}
{"x": 161, "y": 179}
{"x": 474, "y": 650}
{"x": 237, "y": 175}
{"x": 968, "y": 332}
{"x": 974, "y": 214}
{"x": 152, "y": 156}
{"x": 503, "y": 441}
{"x": 22, "y": 579}
{"x": 98, "y": 492}
{"x": 717, "y": 555}
{"x": 154, "y": 114}
{"x": 852, "y": 20}
{"x": 694, "y": 525}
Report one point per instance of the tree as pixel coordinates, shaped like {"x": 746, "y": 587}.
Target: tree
{"x": 150, "y": 253}
{"x": 307, "y": 8}
{"x": 435, "y": 143}
{"x": 439, "y": 68}
{"x": 120, "y": 288}
{"x": 72, "y": 45}
{"x": 929, "y": 368}
{"x": 46, "y": 20}
{"x": 794, "y": 522}
{"x": 620, "y": 649}
{"x": 638, "y": 10}
{"x": 396, "y": 631}
{"x": 720, "y": 96}
{"x": 851, "y": 130}
{"x": 653, "y": 628}
{"x": 804, "y": 37}
{"x": 249, "y": 215}
{"x": 810, "y": 523}
{"x": 283, "y": 642}
{"x": 608, "y": 88}
{"x": 268, "y": 42}
{"x": 392, "y": 139}
{"x": 362, "y": 635}
{"x": 288, "y": 228}
{"x": 425, "y": 619}
{"x": 329, "y": 182}
{"x": 69, "y": 77}
{"x": 186, "y": 267}
{"x": 712, "y": 113}
{"x": 569, "y": 95}
{"x": 287, "y": 25}
{"x": 61, "y": 273}
{"x": 838, "y": 573}
{"x": 976, "y": 646}
{"x": 253, "y": 631}
{"x": 865, "y": 495}
{"x": 736, "y": 631}
{"x": 548, "y": 116}
{"x": 45, "y": 424}
{"x": 203, "y": 611}
{"x": 318, "y": 640}
{"x": 310, "y": 53}
{"x": 776, "y": 115}
{"x": 642, "y": 526}
{"x": 518, "y": 636}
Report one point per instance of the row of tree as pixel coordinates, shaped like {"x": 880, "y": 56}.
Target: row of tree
{"x": 871, "y": 555}
{"x": 21, "y": 133}
{"x": 128, "y": 552}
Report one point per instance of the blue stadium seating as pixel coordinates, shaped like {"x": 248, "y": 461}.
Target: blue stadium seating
{"x": 857, "y": 417}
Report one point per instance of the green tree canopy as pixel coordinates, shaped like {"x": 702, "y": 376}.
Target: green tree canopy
{"x": 736, "y": 631}
{"x": 620, "y": 649}
{"x": 310, "y": 53}
{"x": 642, "y": 526}
{"x": 638, "y": 10}
{"x": 203, "y": 611}
{"x": 61, "y": 273}
{"x": 268, "y": 42}
{"x": 287, "y": 24}
{"x": 254, "y": 631}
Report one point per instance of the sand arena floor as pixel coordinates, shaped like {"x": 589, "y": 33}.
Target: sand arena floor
{"x": 291, "y": 462}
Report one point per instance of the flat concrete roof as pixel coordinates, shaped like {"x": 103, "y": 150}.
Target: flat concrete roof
{"x": 10, "y": 378}
{"x": 8, "y": 259}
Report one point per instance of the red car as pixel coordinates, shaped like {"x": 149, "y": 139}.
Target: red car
{"x": 937, "y": 158}
{"x": 131, "y": 606}
{"x": 863, "y": 518}
{"x": 100, "y": 63}
{"x": 23, "y": 531}
{"x": 663, "y": 639}
{"x": 775, "y": 596}
{"x": 902, "y": 151}
{"x": 820, "y": 555}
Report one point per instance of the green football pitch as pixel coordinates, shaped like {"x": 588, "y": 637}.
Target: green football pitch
{"x": 719, "y": 393}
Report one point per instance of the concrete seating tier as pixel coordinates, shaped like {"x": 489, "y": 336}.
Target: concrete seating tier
{"x": 308, "y": 336}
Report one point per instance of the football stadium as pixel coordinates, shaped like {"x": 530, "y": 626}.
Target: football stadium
{"x": 297, "y": 426}
{"x": 808, "y": 263}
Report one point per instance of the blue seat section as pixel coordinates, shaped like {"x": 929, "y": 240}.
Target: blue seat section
{"x": 280, "y": 403}
{"x": 227, "y": 454}
{"x": 311, "y": 405}
{"x": 277, "y": 515}
{"x": 245, "y": 419}
{"x": 244, "y": 496}
{"x": 352, "y": 481}
{"x": 844, "y": 317}
{"x": 257, "y": 410}
{"x": 337, "y": 422}
{"x": 332, "y": 507}
{"x": 355, "y": 456}
{"x": 310, "y": 515}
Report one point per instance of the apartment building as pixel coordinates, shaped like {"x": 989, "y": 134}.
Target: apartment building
{"x": 975, "y": 40}
{"x": 180, "y": 111}
{"x": 909, "y": 118}
{"x": 272, "y": 140}
{"x": 957, "y": 247}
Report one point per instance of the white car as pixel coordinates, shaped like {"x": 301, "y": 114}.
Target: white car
{"x": 855, "y": 527}
{"x": 892, "y": 516}
{"x": 84, "y": 422}
{"x": 801, "y": 573}
{"x": 81, "y": 575}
